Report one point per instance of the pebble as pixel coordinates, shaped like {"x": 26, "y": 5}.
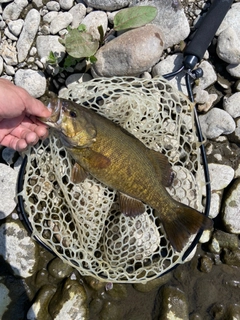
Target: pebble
{"x": 8, "y": 53}
{"x": 13, "y": 10}
{"x": 16, "y": 27}
{"x": 53, "y": 6}
{"x": 28, "y": 34}
{"x": 216, "y": 122}
{"x": 93, "y": 20}
{"x": 228, "y": 46}
{"x": 33, "y": 81}
{"x": 18, "y": 249}
{"x": 60, "y": 22}
{"x": 48, "y": 17}
{"x": 66, "y": 4}
{"x": 234, "y": 70}
{"x": 48, "y": 43}
{"x": 7, "y": 186}
{"x": 78, "y": 12}
{"x": 121, "y": 55}
{"x": 232, "y": 104}
{"x": 231, "y": 205}
{"x": 9, "y": 69}
{"x": 216, "y": 197}
{"x": 107, "y": 5}
{"x": 9, "y": 35}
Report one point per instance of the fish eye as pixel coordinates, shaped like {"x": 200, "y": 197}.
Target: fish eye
{"x": 73, "y": 114}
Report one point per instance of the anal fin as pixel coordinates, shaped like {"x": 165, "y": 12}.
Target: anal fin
{"x": 129, "y": 206}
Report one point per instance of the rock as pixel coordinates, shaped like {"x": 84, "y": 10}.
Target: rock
{"x": 173, "y": 23}
{"x": 225, "y": 240}
{"x": 235, "y": 136}
{"x": 1, "y": 65}
{"x": 8, "y": 53}
{"x": 216, "y": 122}
{"x": 5, "y": 299}
{"x": 203, "y": 99}
{"x": 78, "y": 12}
{"x": 62, "y": 21}
{"x": 32, "y": 81}
{"x": 228, "y": 46}
{"x": 93, "y": 20}
{"x": 231, "y": 258}
{"x": 122, "y": 57}
{"x": 16, "y": 27}
{"x": 9, "y": 70}
{"x": 8, "y": 179}
{"x": 231, "y": 205}
{"x": 9, "y": 34}
{"x": 208, "y": 78}
{"x": 59, "y": 269}
{"x": 66, "y": 4}
{"x": 28, "y": 34}
{"x": 174, "y": 304}
{"x": 53, "y": 6}
{"x": 107, "y": 5}
{"x": 45, "y": 44}
{"x": 69, "y": 302}
{"x": 234, "y": 70}
{"x": 232, "y": 104}
{"x": 232, "y": 19}
{"x": 50, "y": 16}
{"x": 13, "y": 10}
{"x": 18, "y": 249}
{"x": 215, "y": 205}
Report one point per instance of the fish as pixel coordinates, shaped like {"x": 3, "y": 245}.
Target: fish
{"x": 119, "y": 160}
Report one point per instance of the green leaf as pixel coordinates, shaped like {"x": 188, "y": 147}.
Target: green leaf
{"x": 80, "y": 44}
{"x": 93, "y": 59}
{"x": 51, "y": 58}
{"x": 81, "y": 27}
{"x": 101, "y": 33}
{"x": 69, "y": 61}
{"x": 134, "y": 17}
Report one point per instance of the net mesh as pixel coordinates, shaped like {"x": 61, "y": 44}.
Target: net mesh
{"x": 81, "y": 222}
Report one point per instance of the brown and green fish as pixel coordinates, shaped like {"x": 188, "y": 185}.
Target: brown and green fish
{"x": 120, "y": 161}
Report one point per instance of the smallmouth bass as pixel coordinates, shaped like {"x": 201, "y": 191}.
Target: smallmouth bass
{"x": 122, "y": 162}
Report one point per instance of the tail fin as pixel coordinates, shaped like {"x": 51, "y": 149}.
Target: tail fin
{"x": 182, "y": 223}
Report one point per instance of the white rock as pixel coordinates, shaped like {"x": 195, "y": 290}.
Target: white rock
{"x": 232, "y": 104}
{"x": 33, "y": 81}
{"x": 28, "y": 34}
{"x": 8, "y": 53}
{"x": 53, "y": 6}
{"x": 216, "y": 122}
{"x": 9, "y": 70}
{"x": 17, "y": 249}
{"x": 209, "y": 75}
{"x": 232, "y": 19}
{"x": 62, "y": 21}
{"x": 228, "y": 46}
{"x": 8, "y": 180}
{"x": 13, "y": 10}
{"x": 204, "y": 99}
{"x": 16, "y": 26}
{"x": 234, "y": 70}
{"x": 45, "y": 44}
{"x": 78, "y": 12}
{"x": 9, "y": 34}
{"x": 66, "y": 4}
{"x": 50, "y": 16}
{"x": 93, "y": 20}
{"x": 215, "y": 205}
{"x": 231, "y": 216}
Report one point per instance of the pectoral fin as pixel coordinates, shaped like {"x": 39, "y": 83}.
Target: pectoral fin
{"x": 162, "y": 167}
{"x": 129, "y": 206}
{"x": 98, "y": 160}
{"x": 78, "y": 173}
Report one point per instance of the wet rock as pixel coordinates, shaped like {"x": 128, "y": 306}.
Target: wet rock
{"x": 231, "y": 257}
{"x": 69, "y": 302}
{"x": 62, "y": 21}
{"x": 172, "y": 22}
{"x": 111, "y": 310}
{"x": 16, "y": 27}
{"x": 153, "y": 284}
{"x": 33, "y": 81}
{"x": 45, "y": 44}
{"x": 93, "y": 20}
{"x": 231, "y": 205}
{"x": 232, "y": 104}
{"x": 206, "y": 264}
{"x": 28, "y": 34}
{"x": 18, "y": 249}
{"x": 118, "y": 291}
{"x": 8, "y": 178}
{"x": 216, "y": 122}
{"x": 13, "y": 10}
{"x": 107, "y": 4}
{"x": 221, "y": 240}
{"x": 8, "y": 53}
{"x": 174, "y": 304}
{"x": 78, "y": 12}
{"x": 59, "y": 269}
{"x": 228, "y": 46}
{"x": 121, "y": 56}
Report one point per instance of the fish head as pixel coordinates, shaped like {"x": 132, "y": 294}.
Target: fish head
{"x": 73, "y": 122}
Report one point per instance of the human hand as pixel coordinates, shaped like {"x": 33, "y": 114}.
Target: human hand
{"x": 19, "y": 126}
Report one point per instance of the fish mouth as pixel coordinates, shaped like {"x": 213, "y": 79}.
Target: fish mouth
{"x": 55, "y": 120}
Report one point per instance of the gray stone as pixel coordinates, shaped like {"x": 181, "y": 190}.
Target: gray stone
{"x": 234, "y": 70}
{"x": 231, "y": 205}
{"x": 93, "y": 20}
{"x": 173, "y": 23}
{"x": 4, "y": 298}
{"x": 215, "y": 206}
{"x": 9, "y": 34}
{"x": 16, "y": 27}
{"x": 62, "y": 21}
{"x": 232, "y": 19}
{"x": 45, "y": 44}
{"x": 50, "y": 16}
{"x": 66, "y": 4}
{"x": 132, "y": 53}
{"x": 107, "y": 5}
{"x": 18, "y": 249}
{"x": 78, "y": 12}
{"x": 232, "y": 104}
{"x": 216, "y": 122}
{"x": 28, "y": 34}
{"x": 203, "y": 99}
{"x": 33, "y": 81}
{"x": 9, "y": 70}
{"x": 8, "y": 179}
{"x": 209, "y": 75}
{"x": 8, "y": 53}
{"x": 220, "y": 176}
{"x": 53, "y": 6}
{"x": 228, "y": 46}
{"x": 14, "y": 9}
